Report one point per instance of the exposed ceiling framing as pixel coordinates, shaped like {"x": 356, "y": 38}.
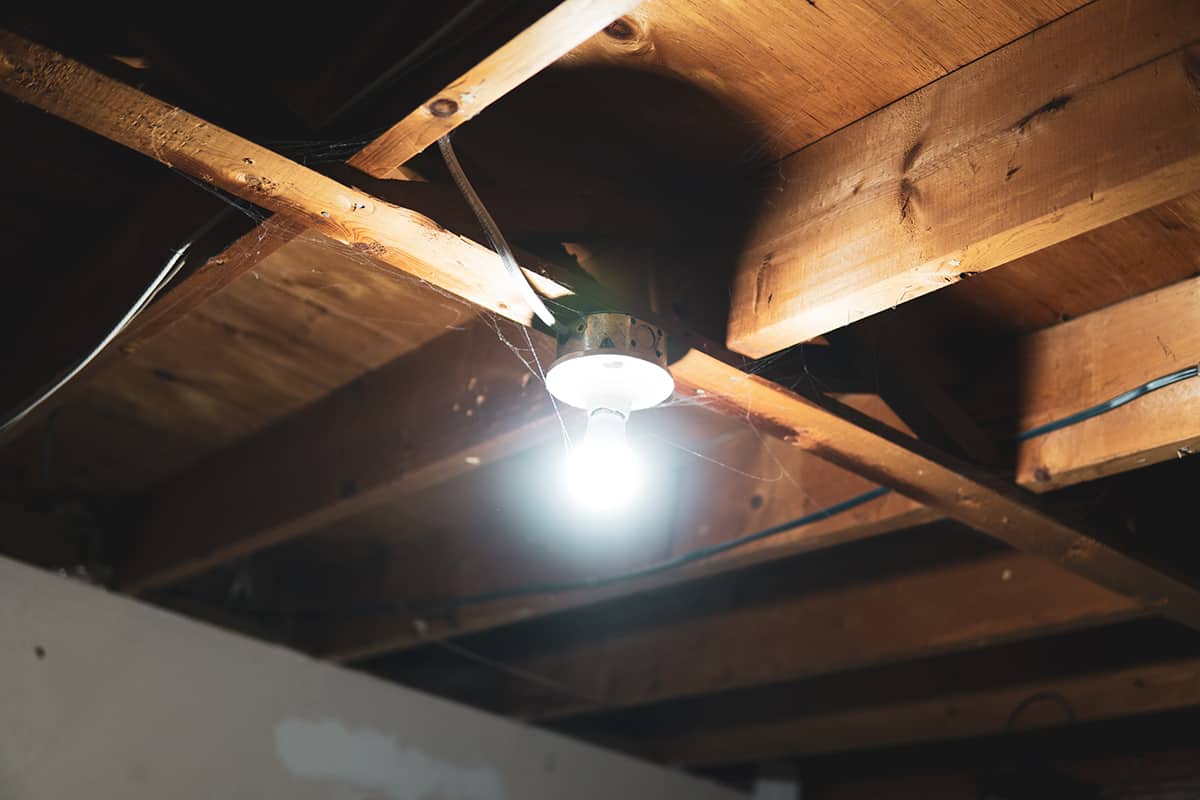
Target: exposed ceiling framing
{"x": 988, "y": 225}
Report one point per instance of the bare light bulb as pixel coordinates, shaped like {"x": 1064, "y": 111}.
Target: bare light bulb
{"x": 603, "y": 473}
{"x": 610, "y": 365}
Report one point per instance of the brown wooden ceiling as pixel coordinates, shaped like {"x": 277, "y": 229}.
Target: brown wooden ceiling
{"x": 681, "y": 105}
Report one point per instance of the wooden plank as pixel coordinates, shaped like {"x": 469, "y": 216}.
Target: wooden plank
{"x": 1134, "y": 255}
{"x": 775, "y": 77}
{"x": 439, "y": 201}
{"x": 1084, "y": 362}
{"x": 395, "y": 236}
{"x": 307, "y": 319}
{"x": 214, "y": 275}
{"x": 369, "y": 313}
{"x": 384, "y": 435}
{"x": 416, "y": 245}
{"x": 1110, "y": 694}
{"x": 528, "y": 53}
{"x": 147, "y": 259}
{"x": 959, "y": 491}
{"x": 899, "y": 366}
{"x": 721, "y": 499}
{"x": 817, "y": 616}
{"x": 1085, "y": 121}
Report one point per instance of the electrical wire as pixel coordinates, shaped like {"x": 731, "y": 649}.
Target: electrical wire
{"x": 689, "y": 557}
{"x": 431, "y": 607}
{"x": 492, "y": 230}
{"x": 825, "y": 513}
{"x": 1110, "y": 404}
{"x": 707, "y": 552}
{"x": 418, "y": 610}
{"x": 176, "y": 261}
{"x": 167, "y": 274}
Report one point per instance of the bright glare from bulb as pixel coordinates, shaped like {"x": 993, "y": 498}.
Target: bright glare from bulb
{"x": 603, "y": 472}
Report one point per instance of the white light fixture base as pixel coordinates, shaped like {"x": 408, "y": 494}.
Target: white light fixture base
{"x": 610, "y": 365}
{"x": 612, "y": 361}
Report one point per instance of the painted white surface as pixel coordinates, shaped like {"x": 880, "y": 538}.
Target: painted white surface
{"x": 102, "y": 697}
{"x": 776, "y": 789}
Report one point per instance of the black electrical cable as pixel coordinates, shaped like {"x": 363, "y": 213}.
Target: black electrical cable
{"x": 440, "y": 606}
{"x": 1109, "y": 405}
{"x": 669, "y": 564}
{"x": 707, "y": 552}
{"x": 808, "y": 519}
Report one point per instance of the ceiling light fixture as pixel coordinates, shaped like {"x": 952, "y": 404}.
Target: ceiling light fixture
{"x": 609, "y": 365}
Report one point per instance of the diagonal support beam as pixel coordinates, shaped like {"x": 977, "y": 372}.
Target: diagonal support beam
{"x": 537, "y": 47}
{"x": 416, "y": 245}
{"x": 961, "y": 492}
{"x": 1087, "y": 120}
{"x": 551, "y": 37}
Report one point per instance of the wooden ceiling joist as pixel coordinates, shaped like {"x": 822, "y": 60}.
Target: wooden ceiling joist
{"x": 376, "y": 439}
{"x": 498, "y": 73}
{"x": 1123, "y": 692}
{"x": 1078, "y": 124}
{"x": 721, "y": 512}
{"x": 1090, "y": 360}
{"x": 960, "y": 491}
{"x": 416, "y": 245}
{"x": 799, "y": 624}
{"x": 399, "y": 237}
{"x": 544, "y": 42}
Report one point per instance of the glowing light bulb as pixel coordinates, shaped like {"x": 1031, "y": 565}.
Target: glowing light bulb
{"x": 610, "y": 365}
{"x": 603, "y": 472}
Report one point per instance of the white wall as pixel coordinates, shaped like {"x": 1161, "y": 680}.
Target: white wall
{"x": 102, "y": 697}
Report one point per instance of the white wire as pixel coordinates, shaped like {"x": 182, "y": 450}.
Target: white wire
{"x": 492, "y": 230}
{"x": 165, "y": 276}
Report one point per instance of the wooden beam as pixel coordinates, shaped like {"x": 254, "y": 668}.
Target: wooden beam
{"x": 551, "y": 37}
{"x": 959, "y": 491}
{"x": 818, "y": 616}
{"x": 132, "y": 270}
{"x": 1082, "y": 122}
{"x": 414, "y": 422}
{"x": 416, "y": 245}
{"x": 385, "y": 436}
{"x": 899, "y": 366}
{"x": 1084, "y": 362}
{"x": 717, "y": 503}
{"x": 1082, "y": 698}
{"x": 557, "y": 214}
{"x": 390, "y": 234}
{"x": 571, "y": 215}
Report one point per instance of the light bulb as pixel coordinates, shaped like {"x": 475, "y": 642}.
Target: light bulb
{"x": 609, "y": 364}
{"x": 603, "y": 472}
